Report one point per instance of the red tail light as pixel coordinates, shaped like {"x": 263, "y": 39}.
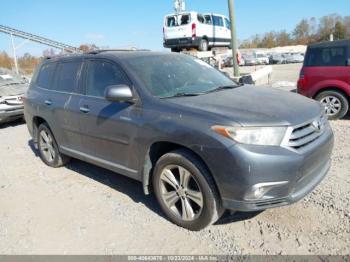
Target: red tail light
{"x": 302, "y": 74}
{"x": 194, "y": 31}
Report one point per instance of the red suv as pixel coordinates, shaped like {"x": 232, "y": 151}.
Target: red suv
{"x": 325, "y": 76}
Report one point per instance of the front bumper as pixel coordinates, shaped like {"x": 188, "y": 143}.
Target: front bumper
{"x": 248, "y": 166}
{"x": 11, "y": 114}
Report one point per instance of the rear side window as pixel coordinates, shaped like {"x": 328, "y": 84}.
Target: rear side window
{"x": 207, "y": 20}
{"x": 200, "y": 19}
{"x": 45, "y": 75}
{"x": 218, "y": 21}
{"x": 67, "y": 75}
{"x": 100, "y": 75}
{"x": 227, "y": 23}
{"x": 327, "y": 56}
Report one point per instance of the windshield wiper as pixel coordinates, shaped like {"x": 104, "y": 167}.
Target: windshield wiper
{"x": 182, "y": 94}
{"x": 219, "y": 88}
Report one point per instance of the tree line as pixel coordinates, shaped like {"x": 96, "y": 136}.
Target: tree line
{"x": 307, "y": 31}
{"x": 27, "y": 62}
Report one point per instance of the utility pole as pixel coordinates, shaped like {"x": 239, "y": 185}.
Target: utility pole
{"x": 14, "y": 54}
{"x": 233, "y": 39}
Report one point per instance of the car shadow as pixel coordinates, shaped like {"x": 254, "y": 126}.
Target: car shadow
{"x": 232, "y": 217}
{"x": 13, "y": 123}
{"x": 132, "y": 188}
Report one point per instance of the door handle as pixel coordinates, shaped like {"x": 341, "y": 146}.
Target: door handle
{"x": 48, "y": 102}
{"x": 84, "y": 109}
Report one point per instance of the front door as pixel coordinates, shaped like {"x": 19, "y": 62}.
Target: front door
{"x": 108, "y": 128}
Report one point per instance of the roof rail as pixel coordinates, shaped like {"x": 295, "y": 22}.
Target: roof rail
{"x": 98, "y": 51}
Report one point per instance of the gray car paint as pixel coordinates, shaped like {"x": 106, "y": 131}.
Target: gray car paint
{"x": 118, "y": 136}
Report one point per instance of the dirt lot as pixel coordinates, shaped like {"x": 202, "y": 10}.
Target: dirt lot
{"x": 83, "y": 209}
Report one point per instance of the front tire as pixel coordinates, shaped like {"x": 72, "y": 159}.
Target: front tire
{"x": 48, "y": 149}
{"x": 335, "y": 103}
{"x": 186, "y": 191}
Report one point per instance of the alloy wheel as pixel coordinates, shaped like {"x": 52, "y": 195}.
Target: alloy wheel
{"x": 181, "y": 193}
{"x": 332, "y": 105}
{"x": 46, "y": 146}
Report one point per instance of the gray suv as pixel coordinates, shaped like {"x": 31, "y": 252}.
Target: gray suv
{"x": 196, "y": 139}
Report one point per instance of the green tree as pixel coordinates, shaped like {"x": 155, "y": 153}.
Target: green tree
{"x": 339, "y": 31}
{"x": 301, "y": 32}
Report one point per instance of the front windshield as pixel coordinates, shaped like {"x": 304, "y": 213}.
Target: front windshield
{"x": 172, "y": 74}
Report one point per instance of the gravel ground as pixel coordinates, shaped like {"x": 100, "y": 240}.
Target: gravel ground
{"x": 83, "y": 209}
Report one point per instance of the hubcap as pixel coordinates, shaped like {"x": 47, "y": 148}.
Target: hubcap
{"x": 332, "y": 105}
{"x": 46, "y": 146}
{"x": 181, "y": 193}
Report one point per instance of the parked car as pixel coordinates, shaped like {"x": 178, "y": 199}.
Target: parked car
{"x": 250, "y": 60}
{"x": 11, "y": 92}
{"x": 194, "y": 30}
{"x": 262, "y": 58}
{"x": 277, "y": 58}
{"x": 294, "y": 58}
{"x": 199, "y": 141}
{"x": 325, "y": 76}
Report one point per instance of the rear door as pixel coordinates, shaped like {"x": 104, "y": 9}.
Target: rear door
{"x": 64, "y": 103}
{"x": 178, "y": 26}
{"x": 324, "y": 64}
{"x": 107, "y": 128}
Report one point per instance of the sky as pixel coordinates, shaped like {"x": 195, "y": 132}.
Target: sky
{"x": 117, "y": 24}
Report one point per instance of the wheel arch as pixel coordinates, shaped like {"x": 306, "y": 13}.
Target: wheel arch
{"x": 158, "y": 149}
{"x": 332, "y": 88}
{"x": 36, "y": 122}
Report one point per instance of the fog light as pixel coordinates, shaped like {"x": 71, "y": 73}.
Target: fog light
{"x": 258, "y": 191}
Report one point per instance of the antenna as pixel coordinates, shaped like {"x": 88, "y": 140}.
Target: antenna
{"x": 179, "y": 6}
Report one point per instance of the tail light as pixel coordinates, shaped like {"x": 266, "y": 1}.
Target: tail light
{"x": 194, "y": 31}
{"x": 302, "y": 74}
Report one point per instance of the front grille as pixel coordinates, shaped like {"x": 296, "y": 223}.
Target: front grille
{"x": 305, "y": 134}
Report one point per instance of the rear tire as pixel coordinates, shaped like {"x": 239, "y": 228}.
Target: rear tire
{"x": 194, "y": 204}
{"x": 336, "y": 104}
{"x": 48, "y": 149}
{"x": 203, "y": 45}
{"x": 175, "y": 50}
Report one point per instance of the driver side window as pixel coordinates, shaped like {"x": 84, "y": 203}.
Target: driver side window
{"x": 100, "y": 75}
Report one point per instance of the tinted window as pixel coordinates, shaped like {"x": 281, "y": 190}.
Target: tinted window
{"x": 171, "y": 21}
{"x": 218, "y": 21}
{"x": 66, "y": 76}
{"x": 326, "y": 56}
{"x": 228, "y": 23}
{"x": 207, "y": 19}
{"x": 45, "y": 75}
{"x": 200, "y": 19}
{"x": 100, "y": 75}
{"x": 184, "y": 19}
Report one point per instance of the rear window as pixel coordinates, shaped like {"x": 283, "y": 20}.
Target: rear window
{"x": 67, "y": 76}
{"x": 45, "y": 75}
{"x": 180, "y": 20}
{"x": 327, "y": 56}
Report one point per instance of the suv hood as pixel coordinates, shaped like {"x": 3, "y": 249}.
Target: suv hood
{"x": 254, "y": 106}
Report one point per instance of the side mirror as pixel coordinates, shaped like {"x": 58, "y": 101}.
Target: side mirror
{"x": 348, "y": 62}
{"x": 119, "y": 93}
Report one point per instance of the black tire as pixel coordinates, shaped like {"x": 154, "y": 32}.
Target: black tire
{"x": 212, "y": 208}
{"x": 203, "y": 45}
{"x": 344, "y": 103}
{"x": 175, "y": 50}
{"x": 58, "y": 159}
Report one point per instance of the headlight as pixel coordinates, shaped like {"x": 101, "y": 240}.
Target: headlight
{"x": 267, "y": 136}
